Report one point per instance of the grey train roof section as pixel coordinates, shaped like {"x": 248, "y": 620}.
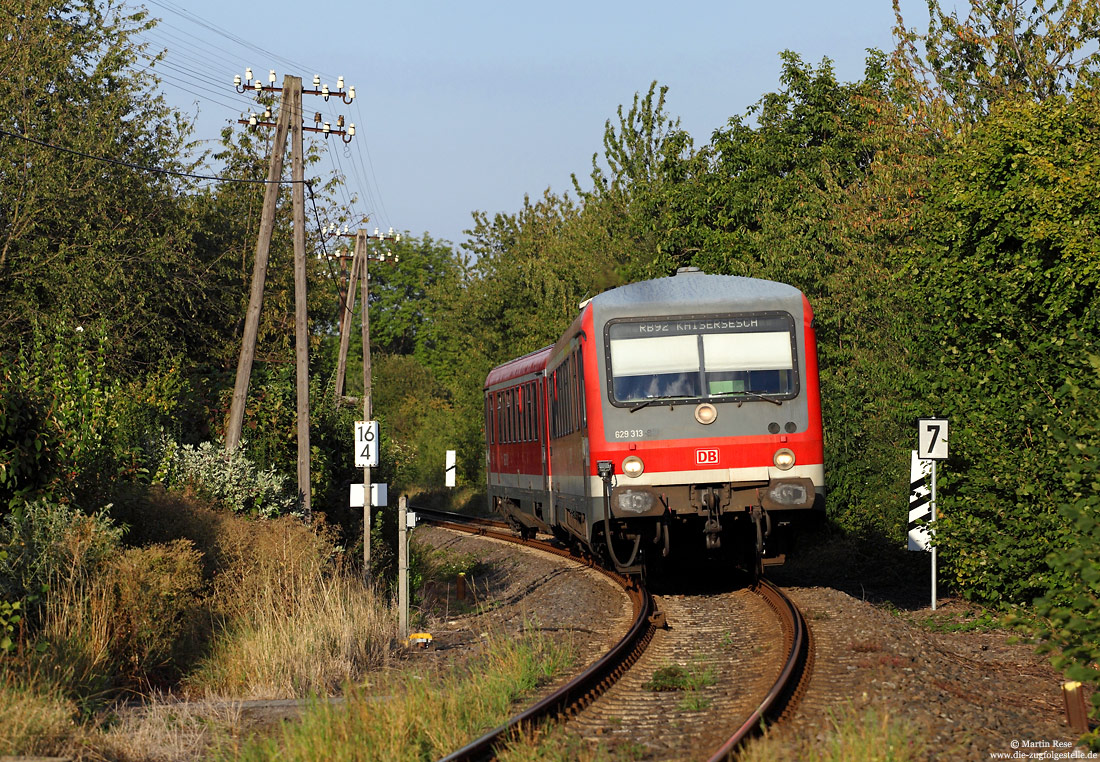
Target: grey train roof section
{"x": 694, "y": 292}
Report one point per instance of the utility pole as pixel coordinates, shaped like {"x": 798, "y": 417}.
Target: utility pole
{"x": 363, "y": 255}
{"x": 364, "y": 323}
{"x": 290, "y": 117}
{"x": 360, "y": 270}
{"x": 259, "y": 275}
{"x": 347, "y": 307}
{"x": 301, "y": 331}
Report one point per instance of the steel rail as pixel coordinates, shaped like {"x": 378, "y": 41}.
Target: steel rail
{"x": 585, "y": 687}
{"x": 794, "y": 677}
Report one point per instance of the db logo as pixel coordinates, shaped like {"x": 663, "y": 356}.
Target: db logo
{"x": 708, "y": 457}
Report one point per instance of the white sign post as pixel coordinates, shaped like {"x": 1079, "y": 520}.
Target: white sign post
{"x": 449, "y": 474}
{"x": 920, "y": 502}
{"x": 379, "y": 495}
{"x": 402, "y": 567}
{"x": 932, "y": 445}
{"x": 366, "y": 444}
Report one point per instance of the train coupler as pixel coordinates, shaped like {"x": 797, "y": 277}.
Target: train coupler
{"x": 712, "y": 532}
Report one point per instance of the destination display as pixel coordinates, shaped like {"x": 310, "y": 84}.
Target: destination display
{"x": 634, "y": 329}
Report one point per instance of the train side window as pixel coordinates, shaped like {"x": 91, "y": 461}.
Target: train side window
{"x": 574, "y": 370}
{"x": 532, "y": 411}
{"x": 522, "y": 392}
{"x": 517, "y": 435}
{"x": 571, "y": 380}
{"x": 581, "y": 413}
{"x": 540, "y": 412}
{"x": 552, "y": 393}
{"x": 489, "y": 418}
{"x": 525, "y": 401}
{"x": 567, "y": 397}
{"x": 571, "y": 390}
{"x": 512, "y": 416}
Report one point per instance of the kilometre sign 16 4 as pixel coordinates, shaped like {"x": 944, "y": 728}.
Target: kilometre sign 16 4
{"x": 366, "y": 444}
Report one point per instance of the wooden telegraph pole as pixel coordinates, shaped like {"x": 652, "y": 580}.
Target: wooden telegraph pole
{"x": 360, "y": 271}
{"x": 301, "y": 332}
{"x": 259, "y": 275}
{"x": 346, "y": 311}
{"x": 364, "y": 323}
{"x": 290, "y": 118}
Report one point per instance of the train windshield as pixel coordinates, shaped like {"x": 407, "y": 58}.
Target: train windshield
{"x": 717, "y": 357}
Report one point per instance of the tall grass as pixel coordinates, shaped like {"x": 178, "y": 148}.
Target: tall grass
{"x": 329, "y": 631}
{"x": 420, "y": 715}
{"x": 35, "y": 720}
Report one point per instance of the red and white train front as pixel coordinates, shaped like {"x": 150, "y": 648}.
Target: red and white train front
{"x": 684, "y": 419}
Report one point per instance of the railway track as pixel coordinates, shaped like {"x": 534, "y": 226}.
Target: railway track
{"x": 706, "y": 631}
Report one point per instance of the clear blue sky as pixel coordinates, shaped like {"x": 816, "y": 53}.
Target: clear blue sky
{"x": 468, "y": 106}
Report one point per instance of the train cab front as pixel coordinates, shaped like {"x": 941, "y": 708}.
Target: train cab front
{"x": 683, "y": 516}
{"x": 711, "y": 423}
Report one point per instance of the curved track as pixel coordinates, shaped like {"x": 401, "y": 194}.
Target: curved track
{"x": 578, "y": 693}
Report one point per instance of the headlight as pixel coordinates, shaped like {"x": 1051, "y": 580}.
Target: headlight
{"x": 784, "y": 459}
{"x": 633, "y": 466}
{"x": 706, "y": 413}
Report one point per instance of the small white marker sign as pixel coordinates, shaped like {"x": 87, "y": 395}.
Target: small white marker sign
{"x": 932, "y": 439}
{"x": 379, "y": 495}
{"x": 449, "y": 474}
{"x": 366, "y": 444}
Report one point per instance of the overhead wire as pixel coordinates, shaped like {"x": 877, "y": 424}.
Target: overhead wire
{"x": 143, "y": 168}
{"x": 186, "y": 66}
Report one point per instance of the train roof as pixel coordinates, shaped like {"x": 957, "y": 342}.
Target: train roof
{"x": 693, "y": 291}
{"x": 521, "y": 366}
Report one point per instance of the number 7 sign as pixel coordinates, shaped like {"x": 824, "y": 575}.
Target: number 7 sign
{"x": 366, "y": 444}
{"x": 932, "y": 439}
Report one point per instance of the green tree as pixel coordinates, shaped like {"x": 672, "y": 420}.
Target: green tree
{"x": 84, "y": 232}
{"x": 819, "y": 185}
{"x": 1014, "y": 275}
{"x": 1002, "y": 51}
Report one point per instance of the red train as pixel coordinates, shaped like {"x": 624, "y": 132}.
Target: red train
{"x": 675, "y": 418}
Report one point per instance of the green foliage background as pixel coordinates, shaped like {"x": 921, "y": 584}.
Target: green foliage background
{"x": 941, "y": 214}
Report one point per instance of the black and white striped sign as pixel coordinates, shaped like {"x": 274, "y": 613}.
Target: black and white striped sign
{"x": 920, "y": 502}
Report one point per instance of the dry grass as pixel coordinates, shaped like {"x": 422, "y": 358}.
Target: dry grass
{"x": 424, "y": 715}
{"x": 294, "y": 619}
{"x": 244, "y": 608}
{"x": 328, "y": 633}
{"x": 36, "y": 721}
{"x": 76, "y": 639}
{"x": 164, "y": 729}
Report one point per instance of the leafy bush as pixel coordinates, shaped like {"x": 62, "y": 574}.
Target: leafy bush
{"x": 228, "y": 477}
{"x": 1072, "y": 605}
{"x": 48, "y": 544}
{"x": 54, "y": 413}
{"x": 69, "y": 428}
{"x": 1012, "y": 276}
